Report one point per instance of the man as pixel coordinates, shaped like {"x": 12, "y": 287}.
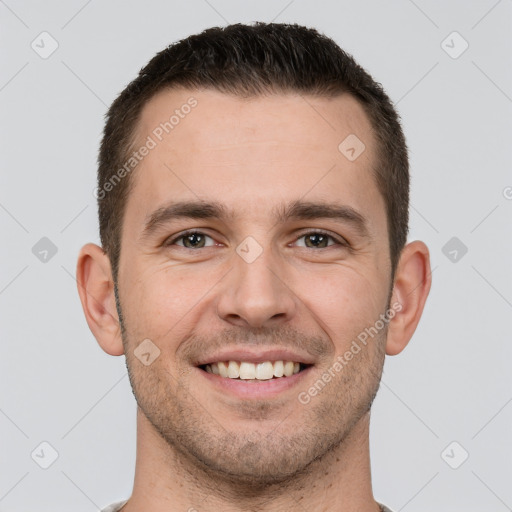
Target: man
{"x": 253, "y": 203}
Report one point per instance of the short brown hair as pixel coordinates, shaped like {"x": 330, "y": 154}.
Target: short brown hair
{"x": 251, "y": 60}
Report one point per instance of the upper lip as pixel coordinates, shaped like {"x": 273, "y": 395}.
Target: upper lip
{"x": 256, "y": 356}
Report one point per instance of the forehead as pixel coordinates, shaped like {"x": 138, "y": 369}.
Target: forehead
{"x": 253, "y": 152}
{"x": 208, "y": 120}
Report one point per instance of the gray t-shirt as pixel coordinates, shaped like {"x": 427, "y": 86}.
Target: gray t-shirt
{"x": 115, "y": 507}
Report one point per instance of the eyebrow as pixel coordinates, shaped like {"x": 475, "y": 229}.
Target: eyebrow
{"x": 296, "y": 210}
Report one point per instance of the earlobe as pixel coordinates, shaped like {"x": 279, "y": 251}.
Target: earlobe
{"x": 96, "y": 290}
{"x": 411, "y": 288}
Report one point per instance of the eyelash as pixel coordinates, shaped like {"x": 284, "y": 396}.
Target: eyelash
{"x": 339, "y": 241}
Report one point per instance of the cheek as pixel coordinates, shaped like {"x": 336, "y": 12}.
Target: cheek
{"x": 165, "y": 303}
{"x": 158, "y": 300}
{"x": 343, "y": 301}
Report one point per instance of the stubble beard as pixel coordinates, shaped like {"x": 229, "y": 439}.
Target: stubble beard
{"x": 262, "y": 457}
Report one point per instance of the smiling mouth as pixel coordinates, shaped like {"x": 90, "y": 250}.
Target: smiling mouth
{"x": 254, "y": 372}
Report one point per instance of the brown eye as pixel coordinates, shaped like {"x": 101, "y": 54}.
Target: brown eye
{"x": 191, "y": 240}
{"x": 319, "y": 240}
{"x": 316, "y": 240}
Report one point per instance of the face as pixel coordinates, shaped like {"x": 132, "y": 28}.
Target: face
{"x": 279, "y": 254}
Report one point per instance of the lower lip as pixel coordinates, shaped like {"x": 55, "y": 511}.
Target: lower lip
{"x": 255, "y": 390}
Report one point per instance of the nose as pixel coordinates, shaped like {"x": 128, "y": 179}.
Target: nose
{"x": 256, "y": 294}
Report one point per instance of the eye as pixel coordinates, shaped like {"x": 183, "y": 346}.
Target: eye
{"x": 320, "y": 240}
{"x": 194, "y": 239}
{"x": 190, "y": 240}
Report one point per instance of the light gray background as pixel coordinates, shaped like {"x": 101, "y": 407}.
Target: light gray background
{"x": 452, "y": 383}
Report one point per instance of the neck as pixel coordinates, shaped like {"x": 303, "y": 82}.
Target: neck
{"x": 167, "y": 480}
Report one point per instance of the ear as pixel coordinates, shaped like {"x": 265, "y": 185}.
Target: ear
{"x": 96, "y": 290}
{"x": 410, "y": 291}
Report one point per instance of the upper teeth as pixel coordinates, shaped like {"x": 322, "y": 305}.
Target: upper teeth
{"x": 248, "y": 371}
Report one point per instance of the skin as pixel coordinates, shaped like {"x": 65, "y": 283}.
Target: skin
{"x": 198, "y": 447}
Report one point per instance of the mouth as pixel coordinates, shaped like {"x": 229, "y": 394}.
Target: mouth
{"x": 251, "y": 374}
{"x": 248, "y": 372}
